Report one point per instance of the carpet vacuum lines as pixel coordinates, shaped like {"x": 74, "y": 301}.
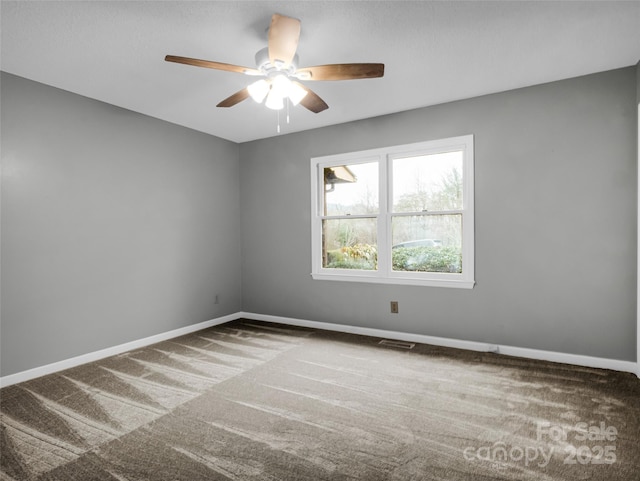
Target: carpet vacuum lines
{"x": 251, "y": 400}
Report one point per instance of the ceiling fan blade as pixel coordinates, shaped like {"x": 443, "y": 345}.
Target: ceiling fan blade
{"x": 214, "y": 65}
{"x": 312, "y": 101}
{"x": 341, "y": 71}
{"x": 235, "y": 98}
{"x": 284, "y": 34}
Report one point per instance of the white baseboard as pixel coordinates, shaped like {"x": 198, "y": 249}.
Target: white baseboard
{"x": 576, "y": 359}
{"x": 367, "y": 331}
{"x": 110, "y": 351}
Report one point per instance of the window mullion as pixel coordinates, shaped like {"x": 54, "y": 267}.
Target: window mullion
{"x": 384, "y": 238}
{"x": 430, "y": 212}
{"x": 348, "y": 216}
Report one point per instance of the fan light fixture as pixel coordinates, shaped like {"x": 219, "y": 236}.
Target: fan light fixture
{"x": 276, "y": 89}
{"x": 259, "y": 90}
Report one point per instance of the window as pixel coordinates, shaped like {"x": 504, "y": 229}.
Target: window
{"x": 397, "y": 215}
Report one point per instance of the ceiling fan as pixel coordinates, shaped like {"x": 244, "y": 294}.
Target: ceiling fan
{"x": 278, "y": 64}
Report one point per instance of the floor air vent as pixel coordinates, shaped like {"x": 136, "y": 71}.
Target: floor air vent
{"x": 397, "y": 344}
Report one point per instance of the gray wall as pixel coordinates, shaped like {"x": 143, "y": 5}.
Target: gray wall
{"x": 115, "y": 226}
{"x": 638, "y": 200}
{"x": 638, "y": 82}
{"x": 555, "y": 221}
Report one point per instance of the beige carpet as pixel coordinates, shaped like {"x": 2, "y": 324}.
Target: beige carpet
{"x": 256, "y": 401}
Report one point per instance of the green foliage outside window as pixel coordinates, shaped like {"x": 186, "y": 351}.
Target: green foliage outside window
{"x": 427, "y": 259}
{"x": 413, "y": 259}
{"x": 358, "y": 256}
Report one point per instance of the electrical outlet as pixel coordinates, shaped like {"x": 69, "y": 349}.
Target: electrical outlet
{"x": 394, "y": 307}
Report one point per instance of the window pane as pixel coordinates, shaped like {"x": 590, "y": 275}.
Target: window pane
{"x": 350, "y": 244}
{"x": 351, "y": 189}
{"x": 428, "y": 182}
{"x": 427, "y": 243}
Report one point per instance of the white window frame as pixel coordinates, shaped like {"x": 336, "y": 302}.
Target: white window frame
{"x": 384, "y": 157}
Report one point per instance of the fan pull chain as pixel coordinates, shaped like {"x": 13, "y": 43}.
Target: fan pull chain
{"x": 287, "y": 101}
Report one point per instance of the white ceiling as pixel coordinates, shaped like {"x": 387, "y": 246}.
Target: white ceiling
{"x": 433, "y": 52}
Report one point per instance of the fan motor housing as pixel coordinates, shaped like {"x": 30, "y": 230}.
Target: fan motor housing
{"x": 263, "y": 63}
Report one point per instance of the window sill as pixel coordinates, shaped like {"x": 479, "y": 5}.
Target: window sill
{"x": 451, "y": 283}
